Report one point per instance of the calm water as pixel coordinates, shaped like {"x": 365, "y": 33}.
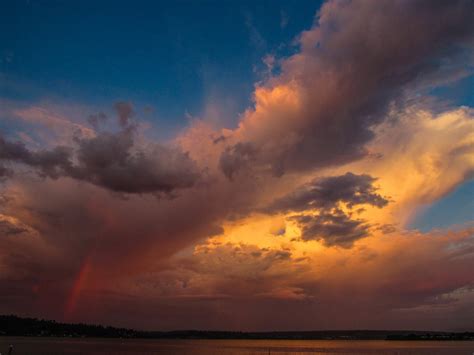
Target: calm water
{"x": 52, "y": 346}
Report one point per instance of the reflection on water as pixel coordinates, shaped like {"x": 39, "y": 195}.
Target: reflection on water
{"x": 59, "y": 346}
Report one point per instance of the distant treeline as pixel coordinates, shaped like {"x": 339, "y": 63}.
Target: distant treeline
{"x": 16, "y": 326}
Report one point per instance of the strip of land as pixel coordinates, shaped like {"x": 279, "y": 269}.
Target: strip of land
{"x": 11, "y": 325}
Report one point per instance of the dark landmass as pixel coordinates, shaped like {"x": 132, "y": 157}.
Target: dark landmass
{"x": 16, "y": 326}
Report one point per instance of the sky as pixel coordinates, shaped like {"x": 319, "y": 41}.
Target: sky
{"x": 238, "y": 165}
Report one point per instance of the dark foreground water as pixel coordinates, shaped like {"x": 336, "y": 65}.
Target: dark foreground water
{"x": 52, "y": 346}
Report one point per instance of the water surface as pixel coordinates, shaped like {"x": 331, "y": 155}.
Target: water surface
{"x": 66, "y": 346}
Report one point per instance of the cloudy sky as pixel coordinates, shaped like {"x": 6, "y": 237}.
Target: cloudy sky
{"x": 260, "y": 165}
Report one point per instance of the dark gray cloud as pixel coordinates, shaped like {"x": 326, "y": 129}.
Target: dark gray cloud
{"x": 334, "y": 228}
{"x": 110, "y": 160}
{"x": 328, "y": 192}
{"x": 50, "y": 163}
{"x": 322, "y": 198}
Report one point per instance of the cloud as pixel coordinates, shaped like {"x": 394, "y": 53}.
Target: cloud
{"x": 234, "y": 283}
{"x": 97, "y": 119}
{"x": 83, "y": 227}
{"x": 125, "y": 113}
{"x": 246, "y": 271}
{"x": 11, "y": 227}
{"x": 235, "y": 157}
{"x": 329, "y": 192}
{"x": 112, "y": 161}
{"x": 51, "y": 122}
{"x": 115, "y": 161}
{"x": 358, "y": 61}
{"x": 318, "y": 206}
{"x": 334, "y": 228}
{"x": 420, "y": 158}
{"x": 49, "y": 163}
{"x": 4, "y": 172}
{"x": 108, "y": 161}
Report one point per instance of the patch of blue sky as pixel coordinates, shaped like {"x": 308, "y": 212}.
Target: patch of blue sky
{"x": 457, "y": 208}
{"x": 174, "y": 56}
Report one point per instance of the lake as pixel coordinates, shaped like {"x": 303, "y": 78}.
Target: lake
{"x": 58, "y": 346}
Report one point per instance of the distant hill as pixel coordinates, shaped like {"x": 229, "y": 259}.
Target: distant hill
{"x": 11, "y": 325}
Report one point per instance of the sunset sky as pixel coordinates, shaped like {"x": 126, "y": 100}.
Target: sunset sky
{"x": 238, "y": 165}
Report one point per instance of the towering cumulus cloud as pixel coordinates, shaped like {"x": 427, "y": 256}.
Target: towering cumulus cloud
{"x": 298, "y": 217}
{"x": 361, "y": 60}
